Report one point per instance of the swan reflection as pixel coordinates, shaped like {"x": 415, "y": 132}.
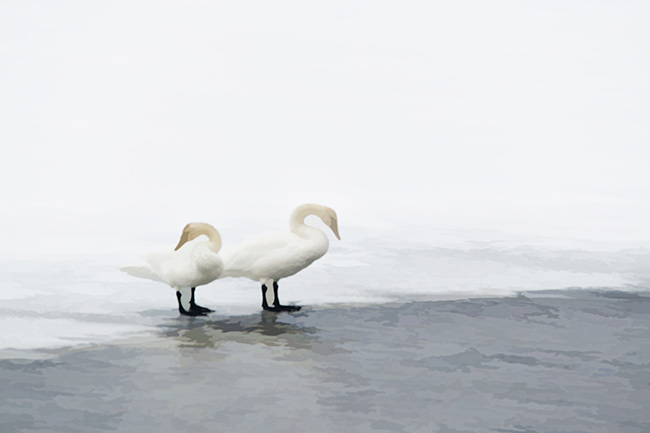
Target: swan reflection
{"x": 264, "y": 328}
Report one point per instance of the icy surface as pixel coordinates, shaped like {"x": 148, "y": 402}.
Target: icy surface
{"x": 51, "y": 302}
{"x": 574, "y": 363}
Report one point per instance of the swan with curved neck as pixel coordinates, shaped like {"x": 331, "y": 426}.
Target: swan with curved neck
{"x": 270, "y": 257}
{"x": 194, "y": 262}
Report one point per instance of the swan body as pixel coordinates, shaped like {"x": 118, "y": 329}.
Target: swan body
{"x": 194, "y": 262}
{"x": 270, "y": 257}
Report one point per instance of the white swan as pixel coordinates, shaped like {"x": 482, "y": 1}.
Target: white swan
{"x": 194, "y": 262}
{"x": 269, "y": 257}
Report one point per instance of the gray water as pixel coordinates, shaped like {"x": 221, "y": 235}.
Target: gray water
{"x": 570, "y": 361}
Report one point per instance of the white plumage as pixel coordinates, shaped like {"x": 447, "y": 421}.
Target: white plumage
{"x": 194, "y": 262}
{"x": 269, "y": 257}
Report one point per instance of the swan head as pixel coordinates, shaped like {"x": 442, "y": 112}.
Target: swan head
{"x": 194, "y": 230}
{"x": 326, "y": 214}
{"x": 332, "y": 222}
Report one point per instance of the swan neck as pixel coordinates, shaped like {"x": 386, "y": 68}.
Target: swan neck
{"x": 297, "y": 219}
{"x": 214, "y": 240}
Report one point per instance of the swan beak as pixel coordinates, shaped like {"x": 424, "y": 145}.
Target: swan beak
{"x": 184, "y": 238}
{"x": 334, "y": 225}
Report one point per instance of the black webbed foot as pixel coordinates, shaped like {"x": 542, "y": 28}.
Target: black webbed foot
{"x": 198, "y": 308}
{"x": 287, "y": 307}
{"x": 277, "y": 307}
{"x": 192, "y": 312}
{"x": 280, "y": 308}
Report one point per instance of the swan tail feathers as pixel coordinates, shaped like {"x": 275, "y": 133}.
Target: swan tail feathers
{"x": 142, "y": 271}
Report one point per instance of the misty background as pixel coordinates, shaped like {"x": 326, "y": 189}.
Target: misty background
{"x": 467, "y": 147}
{"x": 120, "y": 119}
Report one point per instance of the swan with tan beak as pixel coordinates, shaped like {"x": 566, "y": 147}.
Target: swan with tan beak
{"x": 194, "y": 262}
{"x": 269, "y": 257}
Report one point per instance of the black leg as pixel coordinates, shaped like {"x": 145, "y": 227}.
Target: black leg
{"x": 185, "y": 312}
{"x": 198, "y": 308}
{"x": 277, "y": 307}
{"x": 276, "y": 302}
{"x": 265, "y": 305}
{"x": 276, "y": 299}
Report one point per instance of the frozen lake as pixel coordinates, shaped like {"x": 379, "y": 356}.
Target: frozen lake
{"x": 69, "y": 300}
{"x": 457, "y": 333}
{"x": 570, "y": 361}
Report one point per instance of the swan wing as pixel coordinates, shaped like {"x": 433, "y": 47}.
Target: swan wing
{"x": 271, "y": 254}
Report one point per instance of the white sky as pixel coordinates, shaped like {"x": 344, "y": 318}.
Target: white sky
{"x": 129, "y": 116}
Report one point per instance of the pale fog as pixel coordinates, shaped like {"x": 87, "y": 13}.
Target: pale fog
{"x": 469, "y": 149}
